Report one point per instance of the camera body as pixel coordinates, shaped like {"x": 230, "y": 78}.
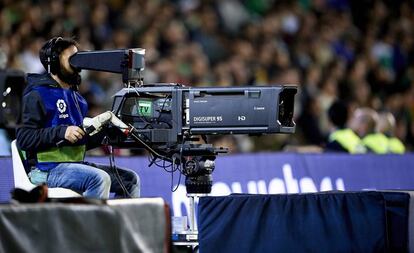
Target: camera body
{"x": 165, "y": 114}
{"x": 168, "y": 119}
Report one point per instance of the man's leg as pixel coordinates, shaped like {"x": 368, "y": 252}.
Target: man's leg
{"x": 129, "y": 179}
{"x": 90, "y": 181}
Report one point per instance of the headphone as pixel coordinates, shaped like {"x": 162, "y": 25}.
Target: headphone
{"x": 52, "y": 56}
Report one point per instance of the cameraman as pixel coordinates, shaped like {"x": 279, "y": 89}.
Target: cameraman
{"x": 50, "y": 135}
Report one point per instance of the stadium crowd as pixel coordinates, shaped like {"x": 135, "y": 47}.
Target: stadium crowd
{"x": 358, "y": 52}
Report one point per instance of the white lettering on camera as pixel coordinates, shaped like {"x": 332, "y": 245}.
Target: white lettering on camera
{"x": 206, "y": 119}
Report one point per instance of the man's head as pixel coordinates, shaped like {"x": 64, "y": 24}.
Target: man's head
{"x": 386, "y": 123}
{"x": 338, "y": 114}
{"x": 364, "y": 121}
{"x": 54, "y": 56}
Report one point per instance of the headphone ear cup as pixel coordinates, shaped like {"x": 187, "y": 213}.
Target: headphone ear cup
{"x": 53, "y": 56}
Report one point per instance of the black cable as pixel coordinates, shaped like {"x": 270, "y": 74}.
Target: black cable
{"x": 179, "y": 168}
{"x": 162, "y": 108}
{"x": 172, "y": 177}
{"x": 116, "y": 172}
{"x": 154, "y": 154}
{"x": 149, "y": 148}
{"x": 165, "y": 167}
{"x": 156, "y": 161}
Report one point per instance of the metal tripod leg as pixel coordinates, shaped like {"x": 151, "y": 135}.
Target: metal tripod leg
{"x": 189, "y": 238}
{"x": 192, "y": 201}
{"x": 193, "y": 223}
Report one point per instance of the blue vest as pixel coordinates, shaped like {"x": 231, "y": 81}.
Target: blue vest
{"x": 63, "y": 107}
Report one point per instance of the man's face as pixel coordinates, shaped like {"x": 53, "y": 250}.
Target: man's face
{"x": 64, "y": 59}
{"x": 66, "y": 73}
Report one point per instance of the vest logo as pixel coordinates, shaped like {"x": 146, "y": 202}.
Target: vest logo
{"x": 61, "y": 106}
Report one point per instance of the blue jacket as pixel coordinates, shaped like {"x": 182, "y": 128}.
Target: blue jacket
{"x": 47, "y": 111}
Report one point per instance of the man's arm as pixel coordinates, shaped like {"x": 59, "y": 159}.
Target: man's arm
{"x": 32, "y": 135}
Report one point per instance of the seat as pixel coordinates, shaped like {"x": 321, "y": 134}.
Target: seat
{"x": 21, "y": 180}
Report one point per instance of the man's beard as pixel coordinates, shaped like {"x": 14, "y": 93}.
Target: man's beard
{"x": 74, "y": 79}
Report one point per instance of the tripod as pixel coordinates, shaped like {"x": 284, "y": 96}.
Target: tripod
{"x": 189, "y": 237}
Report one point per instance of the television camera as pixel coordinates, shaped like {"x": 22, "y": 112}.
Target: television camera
{"x": 169, "y": 119}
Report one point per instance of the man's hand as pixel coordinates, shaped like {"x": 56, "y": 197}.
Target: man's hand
{"x": 74, "y": 133}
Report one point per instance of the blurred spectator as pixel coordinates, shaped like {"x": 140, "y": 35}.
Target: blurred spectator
{"x": 29, "y": 58}
{"x": 386, "y": 127}
{"x": 365, "y": 123}
{"x": 309, "y": 120}
{"x": 382, "y": 141}
{"x": 342, "y": 138}
{"x": 357, "y": 51}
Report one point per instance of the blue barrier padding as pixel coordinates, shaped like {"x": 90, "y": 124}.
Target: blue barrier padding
{"x": 324, "y": 222}
{"x": 6, "y": 178}
{"x": 265, "y": 173}
{"x": 397, "y": 211}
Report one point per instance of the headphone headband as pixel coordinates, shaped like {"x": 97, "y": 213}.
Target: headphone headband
{"x": 51, "y": 45}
